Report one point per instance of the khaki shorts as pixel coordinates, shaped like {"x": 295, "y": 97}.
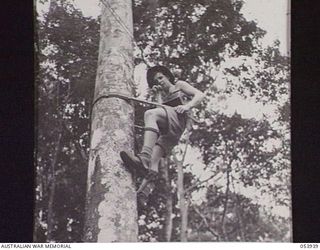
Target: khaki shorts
{"x": 170, "y": 136}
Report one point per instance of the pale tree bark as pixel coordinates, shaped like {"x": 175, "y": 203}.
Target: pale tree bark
{"x": 164, "y": 173}
{"x": 111, "y": 209}
{"x": 183, "y": 203}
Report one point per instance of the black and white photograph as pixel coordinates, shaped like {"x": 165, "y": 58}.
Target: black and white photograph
{"x": 162, "y": 121}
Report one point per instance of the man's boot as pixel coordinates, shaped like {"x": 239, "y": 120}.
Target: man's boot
{"x": 138, "y": 163}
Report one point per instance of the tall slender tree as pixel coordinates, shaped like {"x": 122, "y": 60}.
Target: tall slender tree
{"x": 111, "y": 211}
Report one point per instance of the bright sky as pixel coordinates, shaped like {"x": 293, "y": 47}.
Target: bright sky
{"x": 272, "y": 16}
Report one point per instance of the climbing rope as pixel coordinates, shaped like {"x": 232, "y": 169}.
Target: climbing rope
{"x": 126, "y": 28}
{"x": 127, "y": 98}
{"x": 133, "y": 99}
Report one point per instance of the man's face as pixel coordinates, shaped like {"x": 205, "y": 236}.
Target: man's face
{"x": 162, "y": 80}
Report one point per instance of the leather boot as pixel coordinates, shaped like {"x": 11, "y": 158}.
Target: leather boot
{"x": 136, "y": 163}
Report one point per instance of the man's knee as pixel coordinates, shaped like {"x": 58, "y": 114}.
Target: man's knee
{"x": 148, "y": 114}
{"x": 153, "y": 114}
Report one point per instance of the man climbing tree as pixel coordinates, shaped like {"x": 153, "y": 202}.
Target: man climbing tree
{"x": 163, "y": 126}
{"x": 215, "y": 49}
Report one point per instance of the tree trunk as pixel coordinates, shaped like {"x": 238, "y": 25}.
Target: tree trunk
{"x": 240, "y": 222}
{"x": 182, "y": 204}
{"x": 225, "y": 206}
{"x": 164, "y": 172}
{"x": 52, "y": 181}
{"x": 181, "y": 193}
{"x": 52, "y": 187}
{"x": 111, "y": 209}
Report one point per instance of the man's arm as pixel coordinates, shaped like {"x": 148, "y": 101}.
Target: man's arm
{"x": 197, "y": 96}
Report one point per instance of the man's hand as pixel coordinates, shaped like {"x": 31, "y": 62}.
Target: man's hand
{"x": 181, "y": 109}
{"x": 156, "y": 88}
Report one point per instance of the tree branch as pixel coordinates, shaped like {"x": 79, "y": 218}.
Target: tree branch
{"x": 238, "y": 213}
{"x": 189, "y": 189}
{"x": 227, "y": 195}
{"x": 204, "y": 220}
